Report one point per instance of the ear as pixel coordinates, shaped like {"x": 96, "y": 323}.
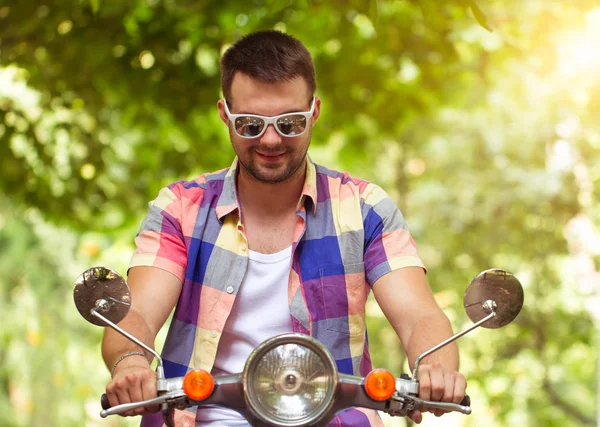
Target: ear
{"x": 222, "y": 114}
{"x": 317, "y": 111}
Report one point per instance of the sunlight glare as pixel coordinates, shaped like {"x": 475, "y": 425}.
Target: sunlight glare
{"x": 561, "y": 158}
{"x": 580, "y": 50}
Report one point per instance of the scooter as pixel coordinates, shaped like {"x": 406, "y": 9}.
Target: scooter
{"x": 291, "y": 380}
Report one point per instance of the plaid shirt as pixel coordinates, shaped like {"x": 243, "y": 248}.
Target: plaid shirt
{"x": 348, "y": 234}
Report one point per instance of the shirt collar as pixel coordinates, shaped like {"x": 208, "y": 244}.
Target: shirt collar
{"x": 228, "y": 200}
{"x": 310, "y": 184}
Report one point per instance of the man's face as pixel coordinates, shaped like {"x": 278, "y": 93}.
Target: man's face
{"x": 270, "y": 158}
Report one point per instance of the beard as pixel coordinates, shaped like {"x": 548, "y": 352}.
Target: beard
{"x": 293, "y": 159}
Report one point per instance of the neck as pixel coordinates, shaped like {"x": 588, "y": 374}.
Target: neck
{"x": 270, "y": 199}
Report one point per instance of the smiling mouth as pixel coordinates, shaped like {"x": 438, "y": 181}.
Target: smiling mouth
{"x": 270, "y": 156}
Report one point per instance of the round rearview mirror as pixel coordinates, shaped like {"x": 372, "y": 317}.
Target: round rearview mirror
{"x": 499, "y": 289}
{"x": 103, "y": 290}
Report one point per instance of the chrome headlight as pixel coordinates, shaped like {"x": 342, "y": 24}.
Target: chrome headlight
{"x": 290, "y": 380}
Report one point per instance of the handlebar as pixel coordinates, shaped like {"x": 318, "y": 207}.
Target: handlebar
{"x": 107, "y": 409}
{"x": 104, "y": 402}
{"x": 466, "y": 401}
{"x": 120, "y": 409}
{"x": 464, "y": 407}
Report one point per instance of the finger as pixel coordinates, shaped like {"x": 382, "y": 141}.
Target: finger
{"x": 449, "y": 385}
{"x": 122, "y": 393}
{"x": 449, "y": 381}
{"x": 460, "y": 387}
{"x": 424, "y": 384}
{"x": 438, "y": 383}
{"x": 135, "y": 393}
{"x": 416, "y": 416}
{"x": 149, "y": 390}
{"x": 111, "y": 393}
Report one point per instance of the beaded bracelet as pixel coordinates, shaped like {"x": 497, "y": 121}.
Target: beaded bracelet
{"x": 131, "y": 353}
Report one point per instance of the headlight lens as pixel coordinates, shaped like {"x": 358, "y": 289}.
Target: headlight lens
{"x": 290, "y": 380}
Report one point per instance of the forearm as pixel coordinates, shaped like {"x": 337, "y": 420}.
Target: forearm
{"x": 427, "y": 332}
{"x": 406, "y": 300}
{"x": 114, "y": 345}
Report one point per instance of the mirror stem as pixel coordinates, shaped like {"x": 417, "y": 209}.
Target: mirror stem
{"x": 160, "y": 372}
{"x": 452, "y": 339}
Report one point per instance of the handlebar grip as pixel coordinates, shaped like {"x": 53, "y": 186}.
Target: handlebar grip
{"x": 466, "y": 401}
{"x": 104, "y": 402}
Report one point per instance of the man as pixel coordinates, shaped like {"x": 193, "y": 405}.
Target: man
{"x": 274, "y": 244}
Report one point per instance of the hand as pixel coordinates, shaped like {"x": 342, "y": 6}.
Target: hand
{"x": 133, "y": 381}
{"x": 439, "y": 384}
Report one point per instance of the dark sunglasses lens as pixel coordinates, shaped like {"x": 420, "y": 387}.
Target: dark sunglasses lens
{"x": 292, "y": 124}
{"x": 249, "y": 126}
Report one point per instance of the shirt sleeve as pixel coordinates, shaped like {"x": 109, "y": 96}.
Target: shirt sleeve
{"x": 388, "y": 243}
{"x": 160, "y": 242}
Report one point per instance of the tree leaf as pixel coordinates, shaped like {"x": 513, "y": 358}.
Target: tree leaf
{"x": 479, "y": 15}
{"x": 95, "y": 5}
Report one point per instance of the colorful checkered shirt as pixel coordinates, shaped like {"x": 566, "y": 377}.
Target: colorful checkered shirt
{"x": 348, "y": 234}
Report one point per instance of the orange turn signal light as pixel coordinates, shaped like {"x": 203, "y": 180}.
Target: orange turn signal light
{"x": 198, "y": 384}
{"x": 380, "y": 384}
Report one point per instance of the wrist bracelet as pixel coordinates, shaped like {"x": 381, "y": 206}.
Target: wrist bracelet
{"x": 131, "y": 353}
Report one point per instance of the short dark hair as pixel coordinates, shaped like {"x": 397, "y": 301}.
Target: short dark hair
{"x": 268, "y": 56}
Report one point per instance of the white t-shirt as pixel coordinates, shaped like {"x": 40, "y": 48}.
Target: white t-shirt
{"x": 260, "y": 311}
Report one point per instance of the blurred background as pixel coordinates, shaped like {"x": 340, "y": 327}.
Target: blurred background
{"x": 481, "y": 119}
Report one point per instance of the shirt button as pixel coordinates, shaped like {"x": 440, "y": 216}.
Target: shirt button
{"x": 229, "y": 289}
{"x": 213, "y": 334}
{"x": 243, "y": 247}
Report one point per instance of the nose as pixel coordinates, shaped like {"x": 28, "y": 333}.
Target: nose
{"x": 271, "y": 137}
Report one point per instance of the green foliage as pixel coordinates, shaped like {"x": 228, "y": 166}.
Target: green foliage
{"x": 51, "y": 366}
{"x": 487, "y": 140}
{"x": 131, "y": 88}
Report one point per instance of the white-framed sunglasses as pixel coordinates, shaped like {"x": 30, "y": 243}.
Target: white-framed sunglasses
{"x": 253, "y": 126}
